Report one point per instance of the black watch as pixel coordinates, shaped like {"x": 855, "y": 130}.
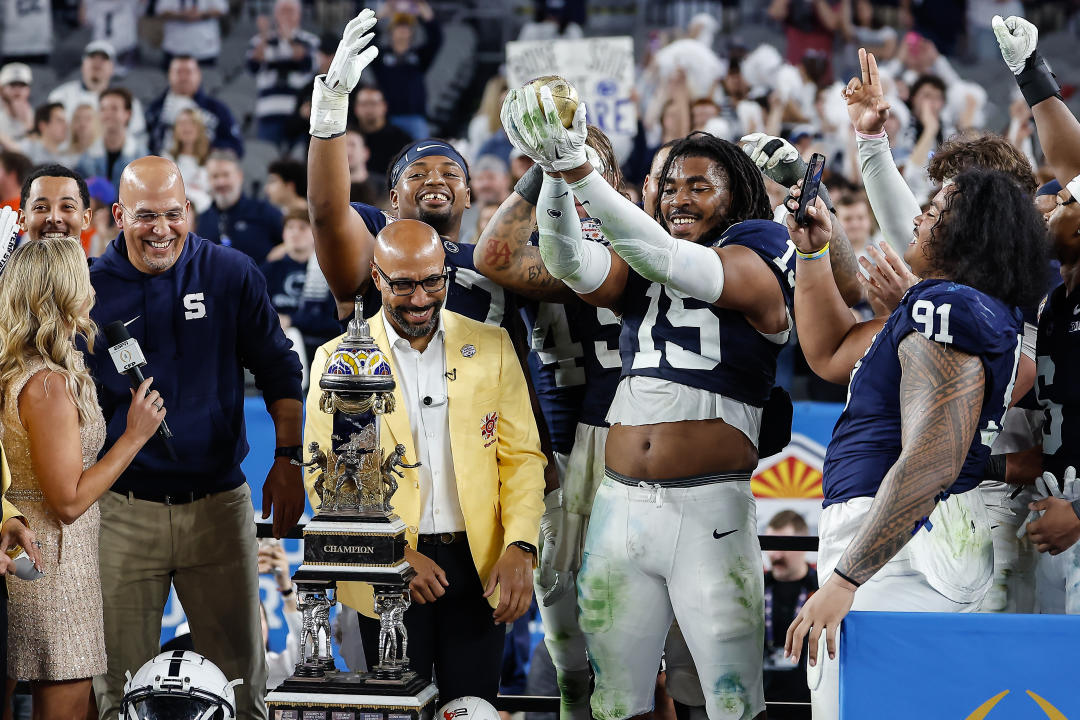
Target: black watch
{"x": 293, "y": 452}
{"x": 524, "y": 546}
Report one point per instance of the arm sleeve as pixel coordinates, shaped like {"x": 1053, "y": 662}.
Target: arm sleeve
{"x": 583, "y": 266}
{"x": 892, "y": 201}
{"x": 521, "y": 464}
{"x": 264, "y": 349}
{"x": 689, "y": 268}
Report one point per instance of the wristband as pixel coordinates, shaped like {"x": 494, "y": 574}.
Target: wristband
{"x": 1037, "y": 81}
{"x": 293, "y": 452}
{"x": 287, "y": 593}
{"x": 329, "y": 111}
{"x": 814, "y": 255}
{"x": 995, "y": 468}
{"x": 870, "y": 136}
{"x": 528, "y": 186}
{"x": 845, "y": 577}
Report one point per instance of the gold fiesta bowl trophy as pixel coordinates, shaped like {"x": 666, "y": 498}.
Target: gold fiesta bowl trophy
{"x": 354, "y": 536}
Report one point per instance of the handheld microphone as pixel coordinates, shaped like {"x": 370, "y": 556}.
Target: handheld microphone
{"x": 128, "y": 358}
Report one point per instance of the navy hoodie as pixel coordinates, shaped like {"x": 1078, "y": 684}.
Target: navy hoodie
{"x": 200, "y": 323}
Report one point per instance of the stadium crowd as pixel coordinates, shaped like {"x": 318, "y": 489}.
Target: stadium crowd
{"x": 949, "y": 196}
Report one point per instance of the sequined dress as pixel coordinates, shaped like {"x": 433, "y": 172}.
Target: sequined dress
{"x": 55, "y": 629}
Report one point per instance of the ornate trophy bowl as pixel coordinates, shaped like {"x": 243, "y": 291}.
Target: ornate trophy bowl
{"x": 355, "y": 536}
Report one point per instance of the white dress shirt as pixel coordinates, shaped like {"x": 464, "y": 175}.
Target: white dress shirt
{"x": 422, "y": 377}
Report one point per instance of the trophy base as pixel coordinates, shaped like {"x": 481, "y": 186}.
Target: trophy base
{"x": 353, "y": 696}
{"x": 341, "y": 544}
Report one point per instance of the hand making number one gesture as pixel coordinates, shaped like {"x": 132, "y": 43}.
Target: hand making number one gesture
{"x": 865, "y": 98}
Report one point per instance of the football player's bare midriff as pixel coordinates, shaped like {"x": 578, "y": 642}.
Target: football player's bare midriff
{"x": 678, "y": 449}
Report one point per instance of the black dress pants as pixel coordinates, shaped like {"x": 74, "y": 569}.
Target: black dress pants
{"x": 455, "y": 636}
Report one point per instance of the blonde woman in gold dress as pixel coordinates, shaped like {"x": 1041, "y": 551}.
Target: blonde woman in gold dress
{"x": 53, "y": 431}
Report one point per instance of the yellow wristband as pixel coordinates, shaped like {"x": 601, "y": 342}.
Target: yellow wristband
{"x": 814, "y": 255}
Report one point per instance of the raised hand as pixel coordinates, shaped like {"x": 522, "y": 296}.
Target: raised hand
{"x": 887, "y": 279}
{"x": 513, "y": 126}
{"x": 776, "y": 158}
{"x": 1017, "y": 39}
{"x": 865, "y": 98}
{"x": 330, "y": 94}
{"x": 814, "y": 236}
{"x": 351, "y": 58}
{"x": 538, "y": 120}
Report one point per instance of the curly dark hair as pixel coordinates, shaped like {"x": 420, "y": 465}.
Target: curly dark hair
{"x": 991, "y": 237}
{"x": 598, "y": 141}
{"x": 749, "y": 200}
{"x": 981, "y": 150}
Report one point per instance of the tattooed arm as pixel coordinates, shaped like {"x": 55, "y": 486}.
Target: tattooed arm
{"x": 941, "y": 393}
{"x": 845, "y": 268}
{"x": 504, "y": 255}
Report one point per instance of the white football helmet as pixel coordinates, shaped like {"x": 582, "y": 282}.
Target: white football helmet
{"x": 178, "y": 685}
{"x": 467, "y": 708}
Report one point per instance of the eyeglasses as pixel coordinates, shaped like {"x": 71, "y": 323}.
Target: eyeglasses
{"x": 149, "y": 218}
{"x": 431, "y": 284}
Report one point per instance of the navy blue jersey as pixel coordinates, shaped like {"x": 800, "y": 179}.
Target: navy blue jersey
{"x": 666, "y": 334}
{"x": 1057, "y": 387}
{"x": 470, "y": 293}
{"x": 866, "y": 440}
{"x": 573, "y": 358}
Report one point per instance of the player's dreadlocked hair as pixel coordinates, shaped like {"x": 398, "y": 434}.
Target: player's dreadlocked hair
{"x": 598, "y": 141}
{"x": 991, "y": 238}
{"x": 749, "y": 201}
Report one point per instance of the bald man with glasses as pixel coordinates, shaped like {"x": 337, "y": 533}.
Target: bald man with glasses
{"x": 472, "y": 508}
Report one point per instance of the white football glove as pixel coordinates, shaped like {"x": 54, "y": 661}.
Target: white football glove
{"x": 554, "y": 583}
{"x": 1047, "y": 486}
{"x": 9, "y": 233}
{"x": 330, "y": 94}
{"x": 559, "y": 147}
{"x": 1016, "y": 38}
{"x": 514, "y": 130}
{"x": 775, "y": 157}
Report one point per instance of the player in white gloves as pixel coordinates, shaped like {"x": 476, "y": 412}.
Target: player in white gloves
{"x": 672, "y": 532}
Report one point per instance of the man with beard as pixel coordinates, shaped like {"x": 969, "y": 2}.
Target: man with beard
{"x": 464, "y": 414}
{"x": 428, "y": 181}
{"x": 235, "y": 219}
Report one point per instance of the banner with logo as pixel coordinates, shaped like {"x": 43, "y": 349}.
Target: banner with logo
{"x": 791, "y": 479}
{"x": 898, "y": 666}
{"x": 602, "y": 70}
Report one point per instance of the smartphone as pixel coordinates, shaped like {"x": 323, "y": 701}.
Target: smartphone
{"x": 811, "y": 181}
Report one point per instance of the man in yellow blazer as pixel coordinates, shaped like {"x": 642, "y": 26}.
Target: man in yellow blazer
{"x": 472, "y": 509}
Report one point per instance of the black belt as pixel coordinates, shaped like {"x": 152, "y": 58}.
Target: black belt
{"x": 179, "y": 498}
{"x": 446, "y": 538}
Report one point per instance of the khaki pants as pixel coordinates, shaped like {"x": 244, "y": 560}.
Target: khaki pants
{"x": 207, "y": 549}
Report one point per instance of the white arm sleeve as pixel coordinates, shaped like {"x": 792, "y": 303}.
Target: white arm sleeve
{"x": 892, "y": 201}
{"x": 692, "y": 269}
{"x": 582, "y": 265}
